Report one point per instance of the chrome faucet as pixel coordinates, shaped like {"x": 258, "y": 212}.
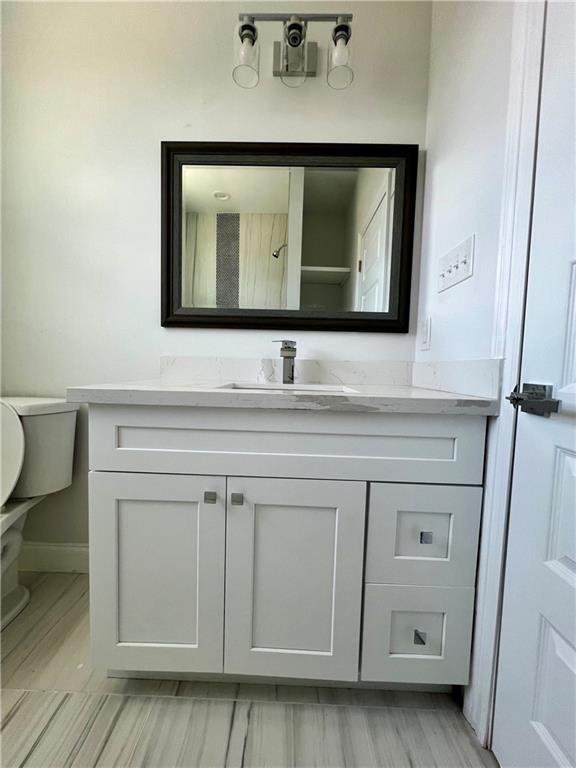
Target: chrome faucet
{"x": 288, "y": 354}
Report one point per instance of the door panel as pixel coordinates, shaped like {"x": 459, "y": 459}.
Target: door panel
{"x": 375, "y": 249}
{"x": 157, "y": 572}
{"x": 536, "y": 686}
{"x": 294, "y": 577}
{"x": 150, "y": 599}
{"x": 289, "y": 591}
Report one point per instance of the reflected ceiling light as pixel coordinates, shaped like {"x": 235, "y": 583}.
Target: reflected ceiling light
{"x": 221, "y": 195}
{"x": 294, "y": 58}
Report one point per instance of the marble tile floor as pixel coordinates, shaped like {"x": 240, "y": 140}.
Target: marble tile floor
{"x": 56, "y": 711}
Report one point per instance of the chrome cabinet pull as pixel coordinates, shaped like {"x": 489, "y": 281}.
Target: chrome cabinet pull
{"x": 210, "y": 497}
{"x": 237, "y": 499}
{"x": 426, "y": 537}
{"x": 419, "y": 637}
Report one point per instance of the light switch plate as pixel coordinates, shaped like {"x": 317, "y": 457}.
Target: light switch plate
{"x": 457, "y": 265}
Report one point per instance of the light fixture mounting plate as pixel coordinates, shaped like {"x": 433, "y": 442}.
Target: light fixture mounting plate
{"x": 311, "y": 61}
{"x": 329, "y": 17}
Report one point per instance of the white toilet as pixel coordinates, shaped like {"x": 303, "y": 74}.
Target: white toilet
{"x": 36, "y": 459}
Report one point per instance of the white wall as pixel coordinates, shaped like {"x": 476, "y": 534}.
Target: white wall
{"x": 90, "y": 90}
{"x": 465, "y": 143}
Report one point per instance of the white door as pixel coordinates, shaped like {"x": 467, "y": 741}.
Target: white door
{"x": 294, "y": 555}
{"x": 373, "y": 285}
{"x": 535, "y": 715}
{"x": 157, "y": 571}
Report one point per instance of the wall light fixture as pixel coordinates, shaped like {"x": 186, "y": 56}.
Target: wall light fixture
{"x": 294, "y": 58}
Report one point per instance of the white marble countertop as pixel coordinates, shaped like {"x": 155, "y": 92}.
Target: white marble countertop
{"x": 360, "y": 398}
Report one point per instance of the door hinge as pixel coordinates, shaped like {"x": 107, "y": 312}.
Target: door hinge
{"x": 359, "y": 265}
{"x": 535, "y": 399}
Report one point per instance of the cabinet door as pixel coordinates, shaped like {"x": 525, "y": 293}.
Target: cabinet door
{"x": 157, "y": 571}
{"x": 294, "y": 557}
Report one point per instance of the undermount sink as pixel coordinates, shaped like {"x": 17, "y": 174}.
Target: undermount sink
{"x": 274, "y": 387}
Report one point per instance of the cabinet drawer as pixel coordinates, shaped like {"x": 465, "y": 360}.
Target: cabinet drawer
{"x": 417, "y": 634}
{"x": 423, "y": 534}
{"x": 294, "y": 444}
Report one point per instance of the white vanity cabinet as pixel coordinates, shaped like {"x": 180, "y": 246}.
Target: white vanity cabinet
{"x": 297, "y": 544}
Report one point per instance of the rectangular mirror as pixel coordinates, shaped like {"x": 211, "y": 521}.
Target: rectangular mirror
{"x": 288, "y": 236}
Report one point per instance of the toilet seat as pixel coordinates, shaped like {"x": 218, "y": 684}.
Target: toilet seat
{"x": 12, "y": 450}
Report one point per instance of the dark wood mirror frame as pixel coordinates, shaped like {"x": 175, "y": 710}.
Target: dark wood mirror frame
{"x": 402, "y": 157}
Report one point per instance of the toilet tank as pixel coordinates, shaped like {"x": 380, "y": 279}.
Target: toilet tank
{"x": 49, "y": 426}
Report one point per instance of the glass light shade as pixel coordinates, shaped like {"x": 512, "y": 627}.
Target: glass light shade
{"x": 246, "y": 71}
{"x": 339, "y": 72}
{"x": 293, "y": 62}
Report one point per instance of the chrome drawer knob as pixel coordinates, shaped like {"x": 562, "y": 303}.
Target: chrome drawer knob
{"x": 419, "y": 637}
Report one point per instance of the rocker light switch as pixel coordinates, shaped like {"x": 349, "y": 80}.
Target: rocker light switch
{"x": 426, "y": 537}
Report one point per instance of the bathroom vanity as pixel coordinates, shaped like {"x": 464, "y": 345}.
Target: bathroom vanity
{"x": 314, "y": 532}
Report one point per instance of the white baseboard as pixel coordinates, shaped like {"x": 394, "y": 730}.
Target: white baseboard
{"x": 53, "y": 558}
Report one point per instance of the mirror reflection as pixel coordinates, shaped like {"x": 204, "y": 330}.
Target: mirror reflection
{"x": 300, "y": 238}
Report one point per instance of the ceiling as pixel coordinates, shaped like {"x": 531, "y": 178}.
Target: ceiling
{"x": 256, "y": 189}
{"x": 252, "y": 189}
{"x": 329, "y": 190}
